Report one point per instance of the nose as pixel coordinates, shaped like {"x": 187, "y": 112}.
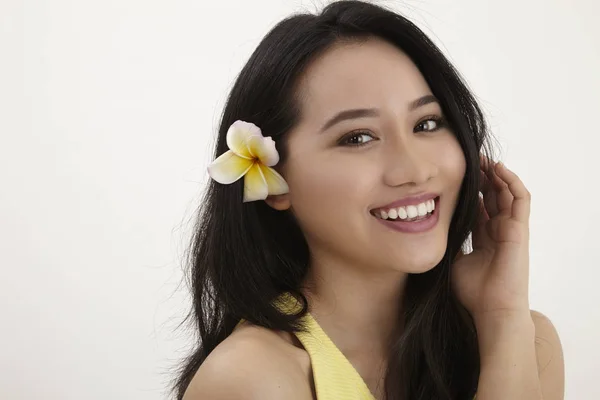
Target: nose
{"x": 408, "y": 162}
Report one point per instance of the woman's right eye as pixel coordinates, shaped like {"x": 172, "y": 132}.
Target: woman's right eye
{"x": 356, "y": 139}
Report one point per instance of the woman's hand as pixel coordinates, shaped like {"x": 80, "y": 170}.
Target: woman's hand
{"x": 493, "y": 280}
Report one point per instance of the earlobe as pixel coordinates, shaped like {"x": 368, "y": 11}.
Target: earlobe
{"x": 279, "y": 202}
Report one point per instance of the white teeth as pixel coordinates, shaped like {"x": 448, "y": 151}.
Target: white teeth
{"x": 430, "y": 205}
{"x": 412, "y": 211}
{"x": 393, "y": 213}
{"x": 402, "y": 213}
{"x": 408, "y": 212}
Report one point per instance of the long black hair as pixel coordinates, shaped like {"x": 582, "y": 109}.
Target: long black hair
{"x": 244, "y": 255}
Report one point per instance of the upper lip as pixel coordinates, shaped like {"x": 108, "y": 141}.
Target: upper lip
{"x": 410, "y": 200}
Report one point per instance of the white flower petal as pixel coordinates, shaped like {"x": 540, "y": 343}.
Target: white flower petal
{"x": 229, "y": 167}
{"x": 275, "y": 182}
{"x": 255, "y": 186}
{"x": 264, "y": 149}
{"x": 237, "y": 136}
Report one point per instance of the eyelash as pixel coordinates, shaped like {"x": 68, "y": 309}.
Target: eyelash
{"x": 440, "y": 123}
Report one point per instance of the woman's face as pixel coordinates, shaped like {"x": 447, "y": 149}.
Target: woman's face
{"x": 342, "y": 174}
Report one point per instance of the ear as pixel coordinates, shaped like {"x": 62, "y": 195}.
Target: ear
{"x": 279, "y": 202}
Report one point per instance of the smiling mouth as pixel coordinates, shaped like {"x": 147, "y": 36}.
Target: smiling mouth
{"x": 411, "y": 213}
{"x": 425, "y": 220}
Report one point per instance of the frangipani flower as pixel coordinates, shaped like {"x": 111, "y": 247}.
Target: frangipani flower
{"x": 250, "y": 155}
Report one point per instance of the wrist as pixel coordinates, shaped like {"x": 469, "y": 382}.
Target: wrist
{"x": 508, "y": 359}
{"x": 498, "y": 330}
{"x": 495, "y": 319}
{"x": 501, "y": 323}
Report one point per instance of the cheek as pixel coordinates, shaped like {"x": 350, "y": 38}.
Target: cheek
{"x": 451, "y": 161}
{"x": 328, "y": 189}
{"x": 328, "y": 180}
{"x": 453, "y": 165}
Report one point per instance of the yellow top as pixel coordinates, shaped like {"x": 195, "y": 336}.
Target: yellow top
{"x": 334, "y": 376}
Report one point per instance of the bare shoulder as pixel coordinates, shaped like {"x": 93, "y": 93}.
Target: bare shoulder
{"x": 253, "y": 363}
{"x": 550, "y": 358}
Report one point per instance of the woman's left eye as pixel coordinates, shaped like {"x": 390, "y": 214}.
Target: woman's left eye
{"x": 430, "y": 124}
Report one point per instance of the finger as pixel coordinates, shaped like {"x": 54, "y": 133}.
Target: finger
{"x": 521, "y": 204}
{"x": 489, "y": 195}
{"x": 480, "y": 235}
{"x": 502, "y": 197}
{"x": 496, "y": 182}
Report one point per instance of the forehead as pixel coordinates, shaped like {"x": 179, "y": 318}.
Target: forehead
{"x": 368, "y": 73}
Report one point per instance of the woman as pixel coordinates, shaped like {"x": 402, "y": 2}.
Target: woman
{"x": 329, "y": 266}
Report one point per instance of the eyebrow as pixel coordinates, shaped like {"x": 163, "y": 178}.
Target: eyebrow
{"x": 373, "y": 112}
{"x": 423, "y": 101}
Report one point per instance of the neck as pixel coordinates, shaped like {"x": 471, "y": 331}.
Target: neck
{"x": 357, "y": 307}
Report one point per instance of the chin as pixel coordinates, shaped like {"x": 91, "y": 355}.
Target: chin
{"x": 424, "y": 268}
{"x": 419, "y": 263}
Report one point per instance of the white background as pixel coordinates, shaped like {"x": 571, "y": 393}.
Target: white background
{"x": 108, "y": 111}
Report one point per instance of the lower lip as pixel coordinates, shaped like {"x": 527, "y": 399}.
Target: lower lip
{"x": 423, "y": 225}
